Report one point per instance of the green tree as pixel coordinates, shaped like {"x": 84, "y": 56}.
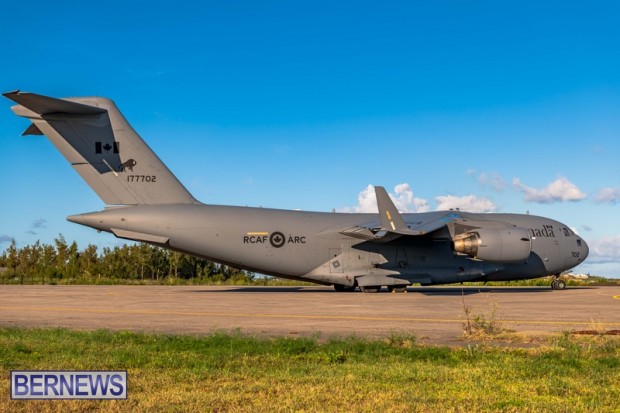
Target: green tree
{"x": 62, "y": 256}
{"x": 11, "y": 261}
{"x": 48, "y": 262}
{"x": 136, "y": 261}
{"x": 174, "y": 258}
{"x": 73, "y": 261}
{"x": 88, "y": 262}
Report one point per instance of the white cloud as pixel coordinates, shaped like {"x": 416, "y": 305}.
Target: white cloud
{"x": 406, "y": 202}
{"x": 469, "y": 203}
{"x": 604, "y": 250}
{"x": 493, "y": 180}
{"x": 403, "y": 200}
{"x": 557, "y": 191}
{"x": 609, "y": 195}
{"x": 366, "y": 201}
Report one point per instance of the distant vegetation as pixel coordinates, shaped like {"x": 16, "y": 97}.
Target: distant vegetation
{"x": 64, "y": 263}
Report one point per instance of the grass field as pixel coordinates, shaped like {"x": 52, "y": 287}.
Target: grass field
{"x": 233, "y": 372}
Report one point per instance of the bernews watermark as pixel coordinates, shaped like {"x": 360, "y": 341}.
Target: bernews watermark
{"x": 68, "y": 384}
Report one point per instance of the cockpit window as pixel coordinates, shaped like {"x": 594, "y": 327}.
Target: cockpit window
{"x": 578, "y": 242}
{"x": 568, "y": 232}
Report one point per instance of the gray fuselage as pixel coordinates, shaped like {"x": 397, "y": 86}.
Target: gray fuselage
{"x": 302, "y": 245}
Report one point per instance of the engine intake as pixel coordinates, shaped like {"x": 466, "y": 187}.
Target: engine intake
{"x": 495, "y": 245}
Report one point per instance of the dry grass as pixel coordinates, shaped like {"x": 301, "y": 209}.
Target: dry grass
{"x": 484, "y": 322}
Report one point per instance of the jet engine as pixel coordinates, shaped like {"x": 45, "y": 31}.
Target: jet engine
{"x": 495, "y": 244}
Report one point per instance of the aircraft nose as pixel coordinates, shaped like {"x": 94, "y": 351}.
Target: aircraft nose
{"x": 585, "y": 249}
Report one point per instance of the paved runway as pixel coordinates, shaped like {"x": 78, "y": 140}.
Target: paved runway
{"x": 435, "y": 315}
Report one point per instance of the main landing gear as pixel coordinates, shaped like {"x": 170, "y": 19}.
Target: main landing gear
{"x": 344, "y": 288}
{"x": 390, "y": 288}
{"x": 397, "y": 288}
{"x": 558, "y": 284}
{"x": 370, "y": 288}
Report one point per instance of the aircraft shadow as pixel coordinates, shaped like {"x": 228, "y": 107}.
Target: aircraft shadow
{"x": 439, "y": 291}
{"x": 261, "y": 289}
{"x": 477, "y": 290}
{"x": 442, "y": 291}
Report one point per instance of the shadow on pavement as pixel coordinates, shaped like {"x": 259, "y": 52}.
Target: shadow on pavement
{"x": 441, "y": 291}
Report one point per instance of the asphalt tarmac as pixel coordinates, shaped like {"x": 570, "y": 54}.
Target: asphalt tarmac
{"x": 434, "y": 314}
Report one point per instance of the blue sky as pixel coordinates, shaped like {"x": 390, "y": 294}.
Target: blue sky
{"x": 490, "y": 106}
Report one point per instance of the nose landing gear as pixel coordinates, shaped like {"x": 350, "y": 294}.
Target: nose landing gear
{"x": 558, "y": 284}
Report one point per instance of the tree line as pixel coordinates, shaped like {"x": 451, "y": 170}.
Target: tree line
{"x": 62, "y": 262}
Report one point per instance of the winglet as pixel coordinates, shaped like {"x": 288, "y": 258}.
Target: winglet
{"x": 391, "y": 219}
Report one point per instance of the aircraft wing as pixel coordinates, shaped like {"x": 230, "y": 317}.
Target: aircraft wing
{"x": 391, "y": 224}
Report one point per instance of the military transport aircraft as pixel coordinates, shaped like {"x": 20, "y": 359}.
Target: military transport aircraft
{"x": 145, "y": 202}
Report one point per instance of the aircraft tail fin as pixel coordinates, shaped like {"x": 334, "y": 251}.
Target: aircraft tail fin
{"x": 102, "y": 147}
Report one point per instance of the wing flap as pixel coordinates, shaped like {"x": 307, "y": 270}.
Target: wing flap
{"x": 428, "y": 227}
{"x": 358, "y": 232}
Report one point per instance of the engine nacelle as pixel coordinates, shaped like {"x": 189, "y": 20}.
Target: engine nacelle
{"x": 495, "y": 244}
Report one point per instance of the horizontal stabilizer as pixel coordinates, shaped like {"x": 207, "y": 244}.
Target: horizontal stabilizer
{"x": 44, "y": 105}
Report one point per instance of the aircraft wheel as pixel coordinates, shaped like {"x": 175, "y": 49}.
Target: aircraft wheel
{"x": 397, "y": 288}
{"x": 371, "y": 289}
{"x": 558, "y": 285}
{"x": 344, "y": 288}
